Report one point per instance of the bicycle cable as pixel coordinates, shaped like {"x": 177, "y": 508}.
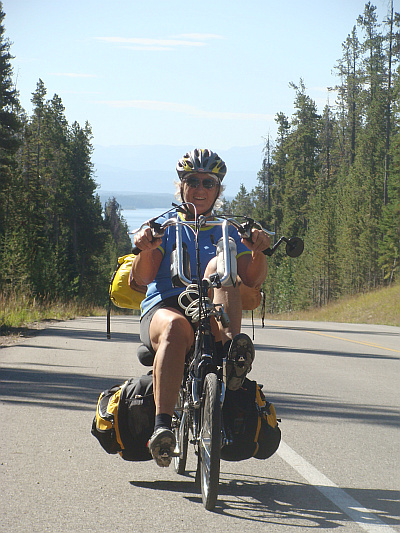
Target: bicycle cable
{"x": 192, "y": 310}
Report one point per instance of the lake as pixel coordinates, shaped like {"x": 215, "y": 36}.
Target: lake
{"x": 136, "y": 217}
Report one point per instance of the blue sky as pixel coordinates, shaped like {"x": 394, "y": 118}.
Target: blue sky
{"x": 178, "y": 72}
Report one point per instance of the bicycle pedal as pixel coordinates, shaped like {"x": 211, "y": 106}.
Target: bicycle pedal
{"x": 164, "y": 454}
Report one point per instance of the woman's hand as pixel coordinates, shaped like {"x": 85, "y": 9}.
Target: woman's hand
{"x": 145, "y": 240}
{"x": 146, "y": 264}
{"x": 259, "y": 242}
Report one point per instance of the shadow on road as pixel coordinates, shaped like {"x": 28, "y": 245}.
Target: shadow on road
{"x": 308, "y": 406}
{"x": 306, "y": 351}
{"x": 60, "y": 389}
{"x": 275, "y": 501}
{"x": 53, "y": 389}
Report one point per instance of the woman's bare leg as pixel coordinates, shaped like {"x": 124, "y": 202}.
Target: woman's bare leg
{"x": 172, "y": 337}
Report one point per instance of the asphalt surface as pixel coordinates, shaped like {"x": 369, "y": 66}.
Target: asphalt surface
{"x": 335, "y": 387}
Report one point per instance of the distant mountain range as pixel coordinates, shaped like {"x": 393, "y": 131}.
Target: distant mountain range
{"x": 145, "y": 169}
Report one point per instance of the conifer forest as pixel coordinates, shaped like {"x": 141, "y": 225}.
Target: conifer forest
{"x": 332, "y": 178}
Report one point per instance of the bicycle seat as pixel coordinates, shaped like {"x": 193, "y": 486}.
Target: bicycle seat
{"x": 145, "y": 356}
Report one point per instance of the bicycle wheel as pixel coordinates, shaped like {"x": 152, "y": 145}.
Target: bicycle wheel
{"x": 181, "y": 434}
{"x": 210, "y": 441}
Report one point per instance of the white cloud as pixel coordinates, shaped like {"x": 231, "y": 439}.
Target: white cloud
{"x": 150, "y": 44}
{"x": 144, "y": 41}
{"x": 149, "y": 48}
{"x": 154, "y": 105}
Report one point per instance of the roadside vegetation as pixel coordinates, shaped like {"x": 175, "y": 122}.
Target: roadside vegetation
{"x": 381, "y": 306}
{"x": 22, "y": 313}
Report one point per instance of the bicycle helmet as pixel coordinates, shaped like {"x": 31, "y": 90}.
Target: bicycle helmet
{"x": 201, "y": 160}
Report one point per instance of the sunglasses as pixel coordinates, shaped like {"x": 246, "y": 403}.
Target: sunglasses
{"x": 194, "y": 183}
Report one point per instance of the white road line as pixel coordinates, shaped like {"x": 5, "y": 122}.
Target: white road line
{"x": 366, "y": 519}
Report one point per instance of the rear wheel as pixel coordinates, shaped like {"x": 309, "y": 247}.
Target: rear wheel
{"x": 210, "y": 441}
{"x": 181, "y": 434}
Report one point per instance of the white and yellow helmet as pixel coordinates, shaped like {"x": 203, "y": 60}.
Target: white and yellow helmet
{"x": 201, "y": 160}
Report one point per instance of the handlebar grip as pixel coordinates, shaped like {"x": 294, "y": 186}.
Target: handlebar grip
{"x": 157, "y": 232}
{"x": 136, "y": 250}
{"x": 267, "y": 251}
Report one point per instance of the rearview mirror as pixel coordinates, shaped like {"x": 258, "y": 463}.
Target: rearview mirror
{"x": 294, "y": 247}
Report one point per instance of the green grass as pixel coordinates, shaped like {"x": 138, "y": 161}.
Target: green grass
{"x": 20, "y": 312}
{"x": 381, "y": 306}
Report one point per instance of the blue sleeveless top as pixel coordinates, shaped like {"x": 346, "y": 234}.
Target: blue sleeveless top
{"x": 161, "y": 288}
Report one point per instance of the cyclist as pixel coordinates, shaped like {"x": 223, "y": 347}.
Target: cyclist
{"x": 164, "y": 329}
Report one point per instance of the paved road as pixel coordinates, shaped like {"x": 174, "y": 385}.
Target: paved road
{"x": 335, "y": 386}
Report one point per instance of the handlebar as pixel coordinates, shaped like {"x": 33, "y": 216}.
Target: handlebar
{"x": 158, "y": 230}
{"x": 244, "y": 229}
{"x": 294, "y": 246}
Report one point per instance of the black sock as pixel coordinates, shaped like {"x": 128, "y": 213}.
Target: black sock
{"x": 163, "y": 420}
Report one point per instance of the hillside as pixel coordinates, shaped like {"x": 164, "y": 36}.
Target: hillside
{"x": 381, "y": 306}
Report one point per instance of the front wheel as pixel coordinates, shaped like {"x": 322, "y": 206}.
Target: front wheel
{"x": 210, "y": 441}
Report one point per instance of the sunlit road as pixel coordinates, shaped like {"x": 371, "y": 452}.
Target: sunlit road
{"x": 336, "y": 388}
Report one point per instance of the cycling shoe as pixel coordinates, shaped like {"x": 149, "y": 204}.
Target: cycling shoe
{"x": 162, "y": 445}
{"x": 239, "y": 360}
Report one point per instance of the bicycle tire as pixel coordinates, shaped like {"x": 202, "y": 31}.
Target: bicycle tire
{"x": 210, "y": 441}
{"x": 181, "y": 434}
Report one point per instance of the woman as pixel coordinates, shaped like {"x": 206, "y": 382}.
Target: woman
{"x": 164, "y": 327}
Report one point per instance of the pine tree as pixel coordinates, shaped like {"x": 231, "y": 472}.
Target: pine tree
{"x": 262, "y": 196}
{"x": 118, "y": 227}
{"x": 349, "y": 118}
{"x": 336, "y": 178}
{"x": 35, "y": 198}
{"x": 302, "y": 163}
{"x": 89, "y": 236}
{"x": 242, "y": 204}
{"x": 389, "y": 246}
{"x": 10, "y": 125}
{"x": 389, "y": 118}
{"x": 278, "y": 171}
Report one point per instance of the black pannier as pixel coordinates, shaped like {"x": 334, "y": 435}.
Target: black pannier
{"x": 250, "y": 424}
{"x": 124, "y": 420}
